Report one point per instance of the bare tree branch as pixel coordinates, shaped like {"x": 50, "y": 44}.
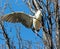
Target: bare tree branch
{"x": 5, "y": 35}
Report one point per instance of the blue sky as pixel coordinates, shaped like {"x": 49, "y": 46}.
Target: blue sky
{"x": 26, "y": 34}
{"x": 20, "y": 7}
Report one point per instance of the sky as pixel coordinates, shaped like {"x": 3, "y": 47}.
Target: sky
{"x": 26, "y": 33}
{"x": 10, "y": 6}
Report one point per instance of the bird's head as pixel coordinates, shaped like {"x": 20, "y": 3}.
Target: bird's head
{"x": 38, "y": 14}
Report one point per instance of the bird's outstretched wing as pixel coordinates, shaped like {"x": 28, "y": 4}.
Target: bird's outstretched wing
{"x": 25, "y": 19}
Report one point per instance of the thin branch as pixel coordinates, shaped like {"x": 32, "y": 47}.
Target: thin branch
{"x": 30, "y": 6}
{"x": 5, "y": 35}
{"x": 35, "y": 4}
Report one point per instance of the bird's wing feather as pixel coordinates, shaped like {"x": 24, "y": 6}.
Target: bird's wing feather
{"x": 19, "y": 17}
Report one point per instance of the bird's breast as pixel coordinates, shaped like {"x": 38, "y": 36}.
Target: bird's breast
{"x": 36, "y": 24}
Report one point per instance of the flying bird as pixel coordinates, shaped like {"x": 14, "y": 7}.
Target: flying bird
{"x": 28, "y": 21}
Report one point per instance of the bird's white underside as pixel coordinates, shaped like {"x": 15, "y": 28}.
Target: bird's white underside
{"x": 36, "y": 23}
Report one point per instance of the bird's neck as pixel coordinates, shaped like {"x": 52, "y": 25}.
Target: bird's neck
{"x": 38, "y": 14}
